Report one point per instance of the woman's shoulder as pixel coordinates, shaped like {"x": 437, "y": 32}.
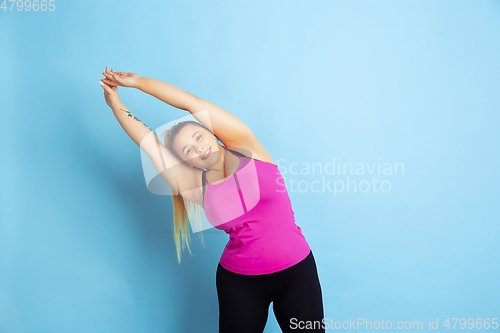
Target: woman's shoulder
{"x": 252, "y": 149}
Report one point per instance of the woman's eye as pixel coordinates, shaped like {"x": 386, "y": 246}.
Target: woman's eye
{"x": 199, "y": 137}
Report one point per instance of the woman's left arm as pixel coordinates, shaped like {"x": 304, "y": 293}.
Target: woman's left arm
{"x": 226, "y": 126}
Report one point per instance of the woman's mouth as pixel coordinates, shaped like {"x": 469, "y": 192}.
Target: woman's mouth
{"x": 209, "y": 151}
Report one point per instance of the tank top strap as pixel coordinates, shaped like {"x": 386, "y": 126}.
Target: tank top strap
{"x": 241, "y": 155}
{"x": 236, "y": 153}
{"x": 204, "y": 185}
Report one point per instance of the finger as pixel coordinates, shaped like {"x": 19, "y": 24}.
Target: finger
{"x": 107, "y": 71}
{"x": 111, "y": 79}
{"x": 109, "y": 76}
{"x": 118, "y": 79}
{"x": 106, "y": 87}
{"x": 109, "y": 82}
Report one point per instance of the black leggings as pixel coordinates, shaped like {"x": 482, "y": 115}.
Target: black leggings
{"x": 295, "y": 293}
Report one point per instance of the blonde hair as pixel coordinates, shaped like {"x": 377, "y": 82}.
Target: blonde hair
{"x": 181, "y": 225}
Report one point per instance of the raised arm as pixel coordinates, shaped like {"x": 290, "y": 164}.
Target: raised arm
{"x": 226, "y": 126}
{"x": 162, "y": 159}
{"x": 141, "y": 134}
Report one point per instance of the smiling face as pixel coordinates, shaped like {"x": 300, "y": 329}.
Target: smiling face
{"x": 192, "y": 144}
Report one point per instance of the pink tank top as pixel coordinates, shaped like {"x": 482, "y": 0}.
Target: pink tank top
{"x": 253, "y": 207}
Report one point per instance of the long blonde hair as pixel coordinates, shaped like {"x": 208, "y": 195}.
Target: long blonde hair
{"x": 181, "y": 226}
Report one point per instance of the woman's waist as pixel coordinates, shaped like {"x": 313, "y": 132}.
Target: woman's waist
{"x": 258, "y": 258}
{"x": 248, "y": 241}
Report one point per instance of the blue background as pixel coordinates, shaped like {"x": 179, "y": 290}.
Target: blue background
{"x": 84, "y": 247}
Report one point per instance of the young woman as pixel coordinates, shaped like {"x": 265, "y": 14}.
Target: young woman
{"x": 266, "y": 259}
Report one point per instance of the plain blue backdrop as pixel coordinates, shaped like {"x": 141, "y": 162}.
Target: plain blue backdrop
{"x": 85, "y": 247}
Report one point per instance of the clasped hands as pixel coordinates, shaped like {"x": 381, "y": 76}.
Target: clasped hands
{"x": 123, "y": 79}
